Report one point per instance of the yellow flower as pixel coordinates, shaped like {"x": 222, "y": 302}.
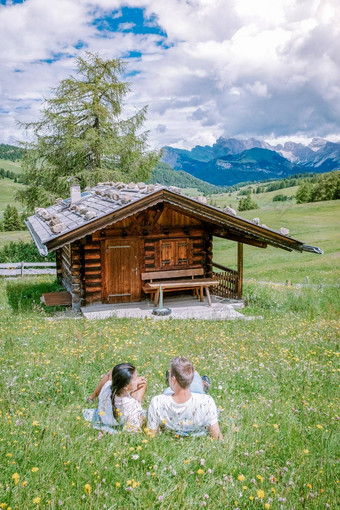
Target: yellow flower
{"x": 15, "y": 477}
{"x": 241, "y": 478}
{"x": 306, "y": 451}
{"x": 260, "y": 494}
{"x": 35, "y": 469}
{"x": 267, "y": 506}
{"x": 259, "y": 477}
{"x": 186, "y": 461}
{"x": 200, "y": 472}
{"x": 24, "y": 483}
{"x": 3, "y": 505}
{"x": 36, "y": 500}
{"x": 245, "y": 487}
{"x": 117, "y": 484}
{"x": 35, "y": 423}
{"x": 320, "y": 427}
{"x": 255, "y": 426}
{"x": 275, "y": 426}
{"x": 251, "y": 498}
{"x": 87, "y": 488}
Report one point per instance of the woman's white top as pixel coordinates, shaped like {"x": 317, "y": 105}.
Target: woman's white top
{"x": 131, "y": 410}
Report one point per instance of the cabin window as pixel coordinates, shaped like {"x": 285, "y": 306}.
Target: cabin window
{"x": 174, "y": 252}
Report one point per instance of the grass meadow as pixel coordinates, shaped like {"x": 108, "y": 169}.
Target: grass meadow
{"x": 275, "y": 381}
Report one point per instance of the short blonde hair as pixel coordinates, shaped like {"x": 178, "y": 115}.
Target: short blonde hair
{"x": 182, "y": 369}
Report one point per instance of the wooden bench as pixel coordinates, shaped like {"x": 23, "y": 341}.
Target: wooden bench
{"x": 173, "y": 280}
{"x": 62, "y": 298}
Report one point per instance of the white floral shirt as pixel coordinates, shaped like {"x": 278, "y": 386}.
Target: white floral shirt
{"x": 131, "y": 410}
{"x": 193, "y": 416}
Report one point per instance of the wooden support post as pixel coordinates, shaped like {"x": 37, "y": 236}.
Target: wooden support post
{"x": 239, "y": 269}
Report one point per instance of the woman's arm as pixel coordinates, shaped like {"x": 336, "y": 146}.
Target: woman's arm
{"x": 139, "y": 393}
{"x": 104, "y": 379}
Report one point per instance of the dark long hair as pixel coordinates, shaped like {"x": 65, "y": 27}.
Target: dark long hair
{"x": 121, "y": 376}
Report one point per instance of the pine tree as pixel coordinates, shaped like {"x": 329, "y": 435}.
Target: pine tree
{"x": 82, "y": 137}
{"x": 11, "y": 219}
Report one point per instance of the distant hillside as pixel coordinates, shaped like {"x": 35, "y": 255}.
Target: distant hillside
{"x": 230, "y": 160}
{"x": 164, "y": 174}
{"x": 10, "y": 152}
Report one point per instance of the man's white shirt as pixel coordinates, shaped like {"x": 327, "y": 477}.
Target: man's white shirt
{"x": 193, "y": 416}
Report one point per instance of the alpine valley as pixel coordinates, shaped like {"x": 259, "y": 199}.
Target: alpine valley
{"x": 230, "y": 160}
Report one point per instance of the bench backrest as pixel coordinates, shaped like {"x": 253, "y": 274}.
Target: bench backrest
{"x": 175, "y": 273}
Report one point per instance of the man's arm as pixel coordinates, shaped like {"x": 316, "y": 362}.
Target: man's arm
{"x": 104, "y": 379}
{"x": 214, "y": 431}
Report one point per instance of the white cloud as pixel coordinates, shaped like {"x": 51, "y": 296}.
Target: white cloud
{"x": 234, "y": 67}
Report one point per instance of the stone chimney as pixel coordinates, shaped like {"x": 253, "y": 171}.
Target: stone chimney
{"x": 75, "y": 194}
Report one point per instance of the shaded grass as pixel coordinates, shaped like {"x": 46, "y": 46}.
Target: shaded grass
{"x": 23, "y": 295}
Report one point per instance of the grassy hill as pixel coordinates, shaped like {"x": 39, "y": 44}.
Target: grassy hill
{"x": 313, "y": 223}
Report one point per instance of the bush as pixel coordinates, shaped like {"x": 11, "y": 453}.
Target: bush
{"x": 246, "y": 204}
{"x": 20, "y": 251}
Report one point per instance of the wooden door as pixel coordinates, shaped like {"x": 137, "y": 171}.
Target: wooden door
{"x": 122, "y": 274}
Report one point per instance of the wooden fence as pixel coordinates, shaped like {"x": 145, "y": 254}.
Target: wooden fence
{"x": 228, "y": 282}
{"x": 27, "y": 268}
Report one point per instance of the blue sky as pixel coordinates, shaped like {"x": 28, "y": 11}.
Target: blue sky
{"x": 205, "y": 68}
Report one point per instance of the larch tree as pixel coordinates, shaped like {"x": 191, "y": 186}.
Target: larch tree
{"x": 82, "y": 138}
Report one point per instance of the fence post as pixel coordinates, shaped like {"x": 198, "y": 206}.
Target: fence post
{"x": 22, "y": 268}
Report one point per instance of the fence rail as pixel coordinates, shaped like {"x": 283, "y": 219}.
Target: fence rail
{"x": 27, "y": 268}
{"x": 228, "y": 282}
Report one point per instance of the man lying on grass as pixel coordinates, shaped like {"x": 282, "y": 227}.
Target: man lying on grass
{"x": 183, "y": 412}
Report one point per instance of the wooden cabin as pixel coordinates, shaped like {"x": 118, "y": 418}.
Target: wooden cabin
{"x": 117, "y": 242}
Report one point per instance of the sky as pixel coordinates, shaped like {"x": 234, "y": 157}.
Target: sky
{"x": 268, "y": 69}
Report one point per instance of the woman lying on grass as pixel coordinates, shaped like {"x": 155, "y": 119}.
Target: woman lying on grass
{"x": 121, "y": 393}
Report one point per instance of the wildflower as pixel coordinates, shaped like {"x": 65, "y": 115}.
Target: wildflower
{"x": 275, "y": 426}
{"x": 15, "y": 477}
{"x": 306, "y": 451}
{"x": 135, "y": 457}
{"x": 117, "y": 485}
{"x": 24, "y": 484}
{"x": 245, "y": 487}
{"x": 260, "y": 493}
{"x": 87, "y": 488}
{"x": 36, "y": 500}
{"x": 160, "y": 498}
{"x": 259, "y": 477}
{"x": 200, "y": 472}
{"x": 3, "y": 505}
{"x": 35, "y": 469}
{"x": 202, "y": 462}
{"x": 320, "y": 427}
{"x": 241, "y": 478}
{"x": 267, "y": 506}
{"x": 35, "y": 423}
{"x": 206, "y": 496}
{"x": 255, "y": 426}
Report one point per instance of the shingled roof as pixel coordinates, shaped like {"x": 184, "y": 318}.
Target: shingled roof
{"x": 109, "y": 202}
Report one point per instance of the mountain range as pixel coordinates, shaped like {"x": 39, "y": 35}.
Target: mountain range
{"x": 231, "y": 160}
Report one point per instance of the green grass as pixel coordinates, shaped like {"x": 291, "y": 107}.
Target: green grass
{"x": 12, "y": 166}
{"x": 8, "y": 190}
{"x": 314, "y": 224}
{"x": 275, "y": 381}
{"x": 17, "y": 235}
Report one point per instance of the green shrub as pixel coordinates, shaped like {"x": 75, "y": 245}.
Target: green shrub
{"x": 20, "y": 251}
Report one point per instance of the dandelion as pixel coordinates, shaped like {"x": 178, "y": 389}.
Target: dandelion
{"x": 245, "y": 488}
{"x": 87, "y": 488}
{"x": 117, "y": 485}
{"x": 259, "y": 477}
{"x": 255, "y": 426}
{"x": 200, "y": 472}
{"x": 267, "y": 506}
{"x": 306, "y": 451}
{"x": 241, "y": 478}
{"x": 260, "y": 494}
{"x": 320, "y": 427}
{"x": 25, "y": 483}
{"x": 15, "y": 477}
{"x": 275, "y": 426}
{"x": 36, "y": 500}
{"x": 35, "y": 469}
{"x": 35, "y": 423}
